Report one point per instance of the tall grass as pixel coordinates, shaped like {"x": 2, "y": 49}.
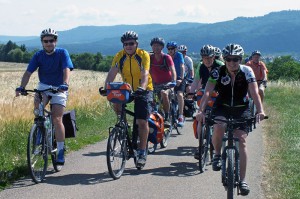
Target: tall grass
{"x": 94, "y": 116}
{"x": 282, "y": 141}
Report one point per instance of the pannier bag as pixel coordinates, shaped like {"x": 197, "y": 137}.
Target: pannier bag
{"x": 118, "y": 92}
{"x": 156, "y": 128}
{"x": 189, "y": 108}
{"x": 211, "y": 101}
{"x": 69, "y": 121}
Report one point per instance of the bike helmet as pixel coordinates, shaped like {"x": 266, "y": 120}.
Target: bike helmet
{"x": 172, "y": 44}
{"x": 129, "y": 35}
{"x": 49, "y": 32}
{"x": 218, "y": 52}
{"x": 256, "y": 52}
{"x": 233, "y": 49}
{"x": 157, "y": 40}
{"x": 182, "y": 48}
{"x": 207, "y": 50}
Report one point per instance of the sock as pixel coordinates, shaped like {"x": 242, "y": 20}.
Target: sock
{"x": 142, "y": 151}
{"x": 60, "y": 146}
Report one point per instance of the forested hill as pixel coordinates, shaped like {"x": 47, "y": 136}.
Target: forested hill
{"x": 274, "y": 33}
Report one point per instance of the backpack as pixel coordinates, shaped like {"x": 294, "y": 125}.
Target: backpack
{"x": 165, "y": 63}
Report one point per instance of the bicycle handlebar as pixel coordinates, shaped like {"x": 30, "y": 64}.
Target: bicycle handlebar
{"x": 51, "y": 89}
{"x": 169, "y": 85}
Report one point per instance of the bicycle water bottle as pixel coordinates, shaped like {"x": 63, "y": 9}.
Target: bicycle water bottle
{"x": 48, "y": 130}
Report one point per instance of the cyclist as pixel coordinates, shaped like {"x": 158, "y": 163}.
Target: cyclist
{"x": 260, "y": 71}
{"x": 218, "y": 54}
{"x": 202, "y": 71}
{"x": 162, "y": 71}
{"x": 54, "y": 66}
{"x": 189, "y": 68}
{"x": 232, "y": 81}
{"x": 180, "y": 83}
{"x": 133, "y": 64}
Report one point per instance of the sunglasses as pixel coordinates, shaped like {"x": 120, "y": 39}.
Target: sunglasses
{"x": 232, "y": 59}
{"x": 171, "y": 48}
{"x": 128, "y": 44}
{"x": 46, "y": 41}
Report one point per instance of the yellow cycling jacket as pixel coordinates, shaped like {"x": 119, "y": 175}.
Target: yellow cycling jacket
{"x": 130, "y": 67}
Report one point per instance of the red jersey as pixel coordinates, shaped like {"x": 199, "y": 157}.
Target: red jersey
{"x": 160, "y": 70}
{"x": 258, "y": 69}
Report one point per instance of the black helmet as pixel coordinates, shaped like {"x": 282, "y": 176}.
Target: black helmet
{"x": 49, "y": 32}
{"x": 157, "y": 40}
{"x": 128, "y": 36}
{"x": 256, "y": 52}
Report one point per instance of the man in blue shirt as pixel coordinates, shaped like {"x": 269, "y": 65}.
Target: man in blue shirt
{"x": 180, "y": 83}
{"x": 54, "y": 66}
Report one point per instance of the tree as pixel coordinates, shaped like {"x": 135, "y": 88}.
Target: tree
{"x": 15, "y": 55}
{"x": 284, "y": 67}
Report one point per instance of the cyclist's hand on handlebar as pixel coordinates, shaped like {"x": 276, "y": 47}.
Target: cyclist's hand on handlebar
{"x": 260, "y": 117}
{"x": 20, "y": 90}
{"x": 102, "y": 91}
{"x": 63, "y": 87}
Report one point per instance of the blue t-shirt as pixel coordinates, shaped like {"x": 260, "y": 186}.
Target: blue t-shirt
{"x": 50, "y": 67}
{"x": 178, "y": 60}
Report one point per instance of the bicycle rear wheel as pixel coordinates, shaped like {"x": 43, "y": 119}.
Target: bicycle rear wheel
{"x": 230, "y": 174}
{"x": 116, "y": 152}
{"x": 37, "y": 153}
{"x": 54, "y": 153}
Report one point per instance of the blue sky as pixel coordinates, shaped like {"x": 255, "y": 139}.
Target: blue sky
{"x": 29, "y": 17}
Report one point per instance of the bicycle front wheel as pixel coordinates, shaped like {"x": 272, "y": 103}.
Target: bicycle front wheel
{"x": 116, "y": 152}
{"x": 167, "y": 134}
{"x": 203, "y": 148}
{"x": 230, "y": 174}
{"x": 37, "y": 153}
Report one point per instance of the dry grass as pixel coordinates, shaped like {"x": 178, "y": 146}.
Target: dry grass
{"x": 83, "y": 91}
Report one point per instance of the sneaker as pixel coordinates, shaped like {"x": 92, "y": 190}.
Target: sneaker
{"x": 244, "y": 188}
{"x": 141, "y": 160}
{"x": 196, "y": 154}
{"x": 216, "y": 163}
{"x": 180, "y": 121}
{"x": 60, "y": 157}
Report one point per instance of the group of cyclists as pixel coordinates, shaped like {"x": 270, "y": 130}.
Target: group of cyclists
{"x": 219, "y": 71}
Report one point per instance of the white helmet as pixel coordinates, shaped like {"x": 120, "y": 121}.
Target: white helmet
{"x": 182, "y": 48}
{"x": 49, "y": 32}
{"x": 233, "y": 49}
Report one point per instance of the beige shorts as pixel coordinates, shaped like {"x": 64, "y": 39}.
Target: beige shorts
{"x": 55, "y": 98}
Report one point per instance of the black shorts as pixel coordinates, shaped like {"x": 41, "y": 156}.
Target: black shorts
{"x": 181, "y": 87}
{"x": 142, "y": 106}
{"x": 236, "y": 113}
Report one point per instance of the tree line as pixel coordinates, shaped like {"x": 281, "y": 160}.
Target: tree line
{"x": 283, "y": 67}
{"x": 11, "y": 52}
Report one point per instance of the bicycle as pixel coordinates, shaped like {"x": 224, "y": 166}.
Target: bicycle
{"x": 205, "y": 147}
{"x": 158, "y": 108}
{"x": 230, "y": 157}
{"x": 122, "y": 144}
{"x": 41, "y": 139}
{"x": 174, "y": 112}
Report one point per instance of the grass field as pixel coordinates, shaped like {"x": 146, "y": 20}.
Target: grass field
{"x": 282, "y": 141}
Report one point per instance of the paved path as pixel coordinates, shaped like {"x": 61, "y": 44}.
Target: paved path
{"x": 169, "y": 173}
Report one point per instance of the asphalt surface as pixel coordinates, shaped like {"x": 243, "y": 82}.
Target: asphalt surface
{"x": 169, "y": 173}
